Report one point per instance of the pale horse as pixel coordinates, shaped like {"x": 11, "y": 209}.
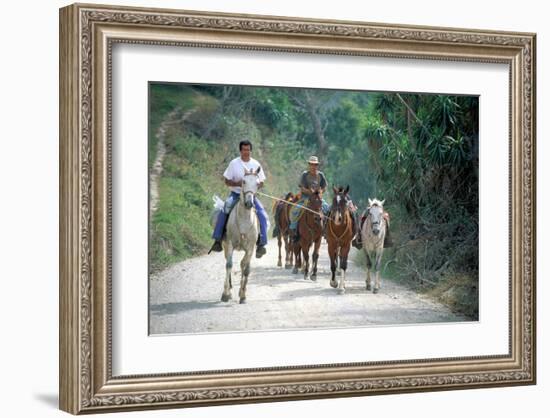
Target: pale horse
{"x": 241, "y": 234}
{"x": 373, "y": 233}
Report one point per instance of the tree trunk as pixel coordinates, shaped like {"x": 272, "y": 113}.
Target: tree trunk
{"x": 317, "y": 126}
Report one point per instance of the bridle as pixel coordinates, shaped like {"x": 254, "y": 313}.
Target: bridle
{"x": 252, "y": 192}
{"x": 346, "y": 216}
{"x": 378, "y": 222}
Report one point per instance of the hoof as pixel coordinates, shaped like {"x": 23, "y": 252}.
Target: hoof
{"x": 333, "y": 284}
{"x": 369, "y": 287}
{"x": 376, "y": 290}
{"x": 313, "y": 277}
{"x": 288, "y": 266}
{"x": 279, "y": 264}
{"x": 242, "y": 301}
{"x": 294, "y": 270}
{"x": 225, "y": 298}
{"x": 341, "y": 291}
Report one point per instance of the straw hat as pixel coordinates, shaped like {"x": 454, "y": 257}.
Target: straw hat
{"x": 313, "y": 160}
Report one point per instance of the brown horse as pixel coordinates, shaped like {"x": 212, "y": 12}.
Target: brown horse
{"x": 310, "y": 229}
{"x": 281, "y": 211}
{"x": 340, "y": 232}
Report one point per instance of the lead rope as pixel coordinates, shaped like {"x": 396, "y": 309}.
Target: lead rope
{"x": 294, "y": 204}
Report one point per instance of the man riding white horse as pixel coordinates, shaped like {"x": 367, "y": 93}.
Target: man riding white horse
{"x": 233, "y": 177}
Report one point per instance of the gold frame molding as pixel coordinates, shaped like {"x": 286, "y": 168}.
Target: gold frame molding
{"x": 87, "y": 34}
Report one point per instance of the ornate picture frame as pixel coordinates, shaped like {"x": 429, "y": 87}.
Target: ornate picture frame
{"x": 87, "y": 35}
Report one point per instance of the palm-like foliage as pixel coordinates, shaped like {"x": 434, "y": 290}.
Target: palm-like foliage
{"x": 421, "y": 145}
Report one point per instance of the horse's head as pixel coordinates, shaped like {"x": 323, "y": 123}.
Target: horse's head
{"x": 250, "y": 187}
{"x": 376, "y": 215}
{"x": 315, "y": 199}
{"x": 316, "y": 202}
{"x": 340, "y": 203}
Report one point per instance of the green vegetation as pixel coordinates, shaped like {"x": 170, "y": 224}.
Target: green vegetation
{"x": 163, "y": 98}
{"x": 418, "y": 152}
{"x": 198, "y": 148}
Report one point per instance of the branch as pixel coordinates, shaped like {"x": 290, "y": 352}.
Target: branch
{"x": 413, "y": 114}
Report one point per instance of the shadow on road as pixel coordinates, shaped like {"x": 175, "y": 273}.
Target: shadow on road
{"x": 178, "y": 307}
{"x": 306, "y": 292}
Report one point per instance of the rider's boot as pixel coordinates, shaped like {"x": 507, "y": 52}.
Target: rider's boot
{"x": 260, "y": 249}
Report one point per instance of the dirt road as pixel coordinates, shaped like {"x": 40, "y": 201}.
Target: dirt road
{"x": 186, "y": 299}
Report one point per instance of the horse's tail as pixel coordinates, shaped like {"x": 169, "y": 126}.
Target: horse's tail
{"x": 274, "y": 206}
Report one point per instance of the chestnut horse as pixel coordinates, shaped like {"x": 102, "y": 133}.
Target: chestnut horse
{"x": 282, "y": 210}
{"x": 310, "y": 229}
{"x": 340, "y": 232}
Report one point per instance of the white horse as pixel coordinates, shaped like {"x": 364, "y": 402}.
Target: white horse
{"x": 373, "y": 233}
{"x": 241, "y": 234}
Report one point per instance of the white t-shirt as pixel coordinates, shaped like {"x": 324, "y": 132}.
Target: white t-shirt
{"x": 235, "y": 171}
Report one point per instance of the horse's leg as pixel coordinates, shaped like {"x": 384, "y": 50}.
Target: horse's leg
{"x": 228, "y": 250}
{"x": 245, "y": 271}
{"x": 292, "y": 246}
{"x": 279, "y": 243}
{"x": 332, "y": 255}
{"x": 286, "y": 248}
{"x": 297, "y": 259}
{"x": 305, "y": 253}
{"x": 377, "y": 271}
{"x": 288, "y": 251}
{"x": 369, "y": 266}
{"x": 315, "y": 258}
{"x": 344, "y": 251}
{"x": 338, "y": 265}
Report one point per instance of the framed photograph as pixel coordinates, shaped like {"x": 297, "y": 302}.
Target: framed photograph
{"x": 259, "y": 208}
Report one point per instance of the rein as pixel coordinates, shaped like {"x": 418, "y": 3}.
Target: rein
{"x": 294, "y": 204}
